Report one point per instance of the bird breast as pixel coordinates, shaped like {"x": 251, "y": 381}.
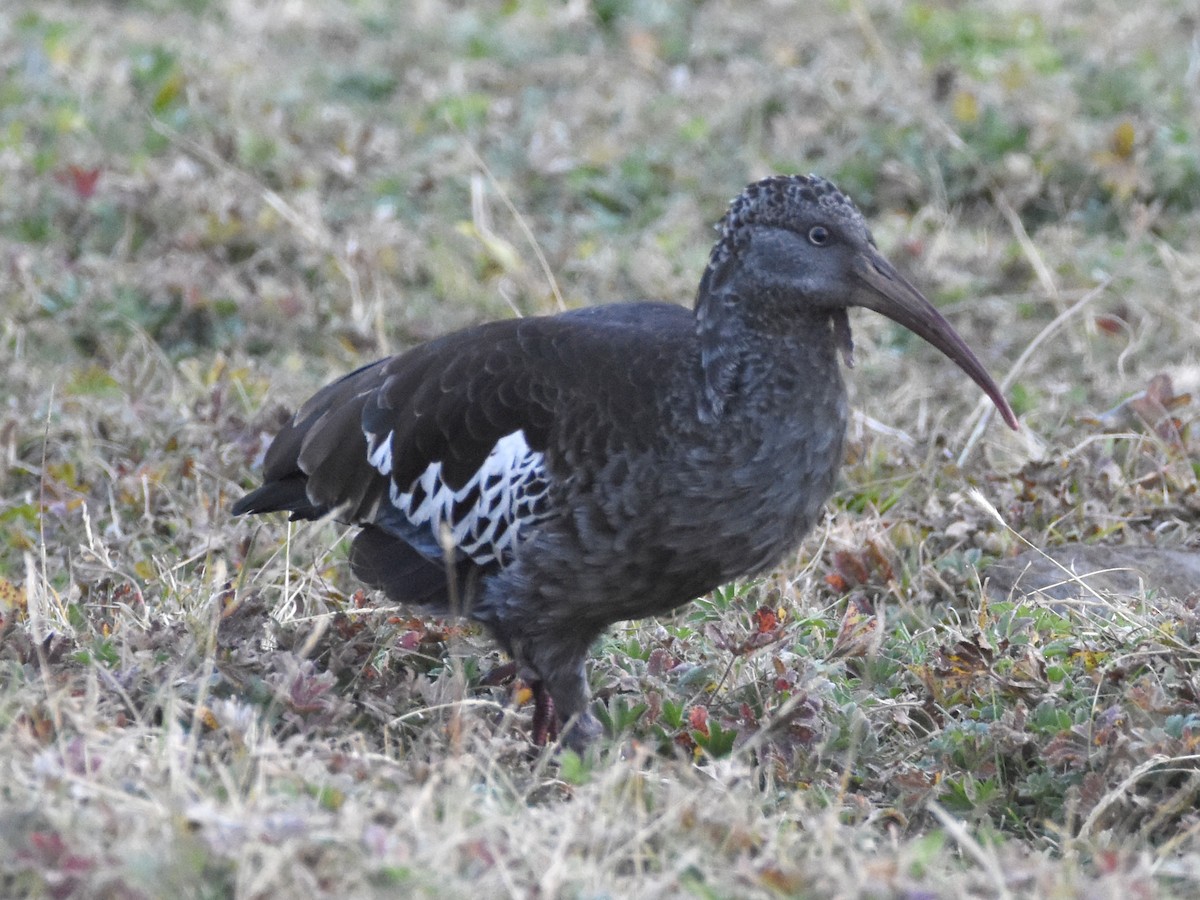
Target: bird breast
{"x": 697, "y": 510}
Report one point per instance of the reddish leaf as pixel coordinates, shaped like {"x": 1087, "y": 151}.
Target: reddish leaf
{"x": 969, "y": 656}
{"x": 49, "y": 844}
{"x": 765, "y": 619}
{"x": 410, "y": 640}
{"x": 1150, "y": 409}
{"x": 346, "y": 626}
{"x": 748, "y": 715}
{"x": 880, "y": 563}
{"x": 660, "y": 661}
{"x": 956, "y": 668}
{"x": 82, "y": 181}
{"x": 859, "y": 633}
{"x": 850, "y": 566}
{"x": 858, "y": 568}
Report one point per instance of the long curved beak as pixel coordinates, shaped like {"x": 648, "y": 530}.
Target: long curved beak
{"x": 887, "y": 291}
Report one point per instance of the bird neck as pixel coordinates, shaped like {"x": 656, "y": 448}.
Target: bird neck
{"x": 761, "y": 363}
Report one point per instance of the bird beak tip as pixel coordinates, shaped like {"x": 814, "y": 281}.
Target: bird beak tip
{"x": 887, "y": 292}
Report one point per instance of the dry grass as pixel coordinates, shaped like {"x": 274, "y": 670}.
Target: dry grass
{"x": 210, "y": 208}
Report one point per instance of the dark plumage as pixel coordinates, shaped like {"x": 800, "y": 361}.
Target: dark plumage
{"x": 550, "y": 476}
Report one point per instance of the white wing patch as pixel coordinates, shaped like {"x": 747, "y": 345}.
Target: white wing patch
{"x": 379, "y": 453}
{"x": 485, "y": 516}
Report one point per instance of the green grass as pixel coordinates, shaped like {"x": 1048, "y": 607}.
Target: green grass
{"x": 210, "y": 209}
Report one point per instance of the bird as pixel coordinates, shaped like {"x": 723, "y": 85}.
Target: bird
{"x": 549, "y": 476}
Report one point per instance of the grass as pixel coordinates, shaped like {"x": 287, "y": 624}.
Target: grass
{"x": 211, "y": 208}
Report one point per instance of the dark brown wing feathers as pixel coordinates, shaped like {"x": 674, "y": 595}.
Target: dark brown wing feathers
{"x": 450, "y": 400}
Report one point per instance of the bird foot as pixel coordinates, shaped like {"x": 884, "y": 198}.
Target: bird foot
{"x": 580, "y": 733}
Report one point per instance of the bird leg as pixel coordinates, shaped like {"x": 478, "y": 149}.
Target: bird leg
{"x": 560, "y": 706}
{"x": 551, "y": 663}
{"x": 545, "y": 718}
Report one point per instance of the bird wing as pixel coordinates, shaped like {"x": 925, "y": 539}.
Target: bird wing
{"x": 466, "y": 430}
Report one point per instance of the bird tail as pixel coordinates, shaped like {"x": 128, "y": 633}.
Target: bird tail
{"x": 286, "y": 495}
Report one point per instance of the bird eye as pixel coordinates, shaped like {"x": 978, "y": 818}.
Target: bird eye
{"x": 818, "y": 235}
